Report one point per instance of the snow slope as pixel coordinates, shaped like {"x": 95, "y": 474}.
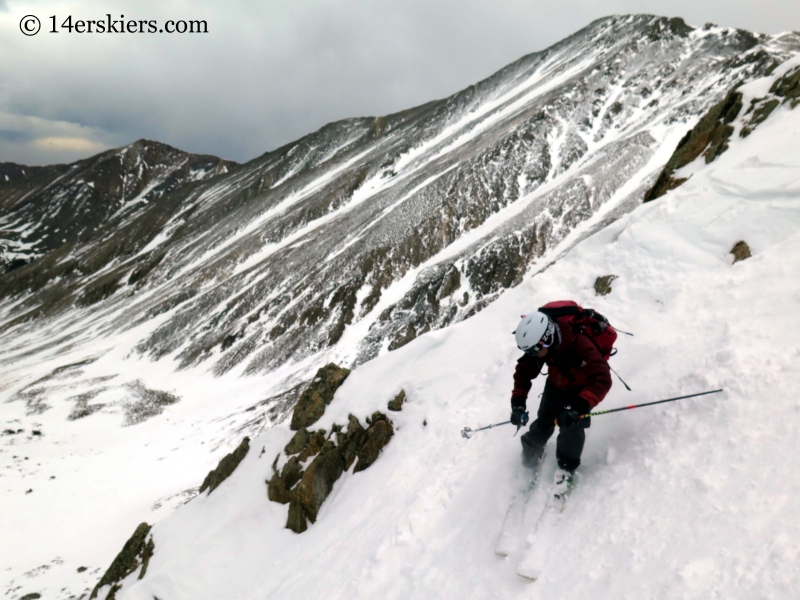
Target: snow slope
{"x": 695, "y": 499}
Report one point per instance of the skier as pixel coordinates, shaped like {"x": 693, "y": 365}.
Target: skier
{"x": 578, "y": 378}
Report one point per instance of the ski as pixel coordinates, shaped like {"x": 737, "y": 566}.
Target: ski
{"x": 536, "y": 553}
{"x": 515, "y": 515}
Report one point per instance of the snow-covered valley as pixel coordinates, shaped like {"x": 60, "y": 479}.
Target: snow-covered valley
{"x": 696, "y": 499}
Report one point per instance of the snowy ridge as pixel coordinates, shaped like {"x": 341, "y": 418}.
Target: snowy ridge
{"x": 679, "y": 501}
{"x": 65, "y": 204}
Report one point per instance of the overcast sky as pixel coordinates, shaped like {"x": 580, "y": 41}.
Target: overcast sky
{"x": 268, "y": 72}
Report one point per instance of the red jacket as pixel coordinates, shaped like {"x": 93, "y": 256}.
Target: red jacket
{"x": 576, "y": 366}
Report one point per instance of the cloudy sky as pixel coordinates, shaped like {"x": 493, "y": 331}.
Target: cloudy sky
{"x": 268, "y": 72}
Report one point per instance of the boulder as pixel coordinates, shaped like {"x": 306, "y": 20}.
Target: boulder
{"x": 740, "y": 251}
{"x": 396, "y": 404}
{"x": 317, "y": 482}
{"x": 378, "y": 434}
{"x": 602, "y": 285}
{"x": 311, "y": 405}
{"x": 351, "y": 441}
{"x": 280, "y": 485}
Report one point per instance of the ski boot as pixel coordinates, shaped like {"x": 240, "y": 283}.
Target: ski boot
{"x": 562, "y": 483}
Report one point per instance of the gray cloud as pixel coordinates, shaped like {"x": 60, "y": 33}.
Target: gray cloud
{"x": 16, "y": 137}
{"x": 265, "y": 75}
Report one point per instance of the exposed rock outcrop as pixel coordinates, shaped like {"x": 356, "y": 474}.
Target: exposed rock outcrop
{"x": 785, "y": 90}
{"x": 396, "y": 404}
{"x": 279, "y": 486}
{"x": 225, "y": 467}
{"x": 711, "y": 135}
{"x": 377, "y": 435}
{"x": 136, "y": 552}
{"x": 316, "y": 397}
{"x": 602, "y": 285}
{"x": 740, "y": 251}
{"x": 145, "y": 402}
{"x": 318, "y": 479}
{"x": 788, "y": 87}
{"x": 708, "y": 138}
{"x": 304, "y": 486}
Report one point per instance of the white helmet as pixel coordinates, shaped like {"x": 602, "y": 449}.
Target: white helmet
{"x": 535, "y": 332}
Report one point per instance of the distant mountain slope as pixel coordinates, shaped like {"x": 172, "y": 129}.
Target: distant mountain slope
{"x": 43, "y": 208}
{"x": 372, "y": 231}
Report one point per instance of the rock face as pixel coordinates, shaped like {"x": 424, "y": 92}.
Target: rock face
{"x": 708, "y": 138}
{"x": 785, "y": 90}
{"x": 136, "y": 552}
{"x": 316, "y": 397}
{"x": 788, "y": 87}
{"x": 226, "y": 467}
{"x": 305, "y": 486}
{"x": 305, "y": 489}
{"x": 448, "y": 204}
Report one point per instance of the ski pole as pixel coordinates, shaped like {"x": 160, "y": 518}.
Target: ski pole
{"x": 605, "y": 412}
{"x": 627, "y": 387}
{"x": 466, "y": 432}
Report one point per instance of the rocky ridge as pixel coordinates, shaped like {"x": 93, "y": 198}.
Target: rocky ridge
{"x": 711, "y": 136}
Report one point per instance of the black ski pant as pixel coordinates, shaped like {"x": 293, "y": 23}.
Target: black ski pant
{"x": 569, "y": 443}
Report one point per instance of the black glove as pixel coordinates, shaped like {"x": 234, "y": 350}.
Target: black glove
{"x": 568, "y": 417}
{"x": 572, "y": 412}
{"x": 519, "y": 416}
